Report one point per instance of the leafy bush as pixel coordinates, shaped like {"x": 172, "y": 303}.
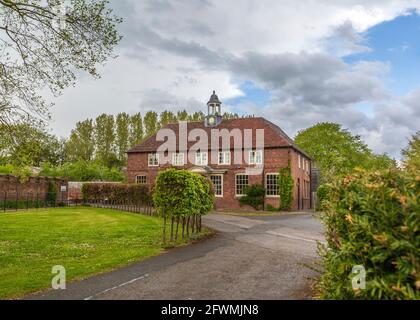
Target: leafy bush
{"x": 254, "y": 196}
{"x": 116, "y": 192}
{"x": 286, "y": 188}
{"x": 372, "y": 219}
{"x": 83, "y": 171}
{"x": 183, "y": 197}
{"x": 182, "y": 193}
{"x": 322, "y": 194}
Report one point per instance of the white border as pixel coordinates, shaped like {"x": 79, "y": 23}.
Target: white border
{"x": 270, "y": 196}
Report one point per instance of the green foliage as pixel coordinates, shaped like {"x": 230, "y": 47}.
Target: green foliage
{"x": 372, "y": 219}
{"x": 81, "y": 144}
{"x": 51, "y": 193}
{"x": 29, "y": 146}
{"x": 36, "y": 54}
{"x": 182, "y": 193}
{"x": 322, "y": 194}
{"x": 412, "y": 153}
{"x": 337, "y": 152}
{"x": 23, "y": 173}
{"x": 83, "y": 171}
{"x": 286, "y": 184}
{"x": 116, "y": 192}
{"x": 253, "y": 196}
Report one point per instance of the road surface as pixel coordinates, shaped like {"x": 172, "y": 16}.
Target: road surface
{"x": 249, "y": 258}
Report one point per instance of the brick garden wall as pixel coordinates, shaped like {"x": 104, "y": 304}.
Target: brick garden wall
{"x": 12, "y": 188}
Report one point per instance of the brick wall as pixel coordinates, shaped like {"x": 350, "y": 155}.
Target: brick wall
{"x": 274, "y": 159}
{"x": 11, "y": 187}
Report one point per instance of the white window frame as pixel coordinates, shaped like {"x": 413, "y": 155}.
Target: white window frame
{"x": 178, "y": 159}
{"x": 149, "y": 159}
{"x": 225, "y": 155}
{"x": 201, "y": 158}
{"x": 141, "y": 175}
{"x": 236, "y": 183}
{"x": 266, "y": 185}
{"x": 221, "y": 184}
{"x": 253, "y": 157}
{"x": 299, "y": 159}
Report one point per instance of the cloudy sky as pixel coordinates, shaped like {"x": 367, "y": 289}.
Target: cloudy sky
{"x": 294, "y": 62}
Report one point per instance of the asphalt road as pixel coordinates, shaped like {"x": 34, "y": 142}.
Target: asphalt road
{"x": 249, "y": 258}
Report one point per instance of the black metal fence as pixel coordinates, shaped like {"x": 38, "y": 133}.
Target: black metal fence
{"x": 14, "y": 201}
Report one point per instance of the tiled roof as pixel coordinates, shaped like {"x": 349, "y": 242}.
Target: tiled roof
{"x": 273, "y": 135}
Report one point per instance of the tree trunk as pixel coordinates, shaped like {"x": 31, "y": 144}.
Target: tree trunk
{"x": 164, "y": 228}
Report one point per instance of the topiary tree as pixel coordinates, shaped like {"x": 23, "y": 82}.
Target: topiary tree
{"x": 182, "y": 196}
{"x": 286, "y": 184}
{"x": 254, "y": 196}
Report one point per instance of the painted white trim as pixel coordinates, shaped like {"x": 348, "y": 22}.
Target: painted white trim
{"x": 201, "y": 162}
{"x": 222, "y": 183}
{"x": 157, "y": 158}
{"x": 256, "y": 152}
{"x": 224, "y": 158}
{"x": 178, "y": 156}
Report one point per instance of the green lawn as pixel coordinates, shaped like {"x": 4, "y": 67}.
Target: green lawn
{"x": 84, "y": 240}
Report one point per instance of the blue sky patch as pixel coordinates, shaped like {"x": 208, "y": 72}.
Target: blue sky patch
{"x": 397, "y": 42}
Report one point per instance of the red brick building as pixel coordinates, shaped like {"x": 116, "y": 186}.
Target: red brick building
{"x": 229, "y": 167}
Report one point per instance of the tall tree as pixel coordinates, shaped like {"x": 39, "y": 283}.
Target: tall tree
{"x": 336, "y": 151}
{"x": 167, "y": 117}
{"x": 29, "y": 146}
{"x": 182, "y": 115}
{"x": 43, "y": 44}
{"x": 105, "y": 140}
{"x": 136, "y": 129}
{"x": 151, "y": 124}
{"x": 81, "y": 144}
{"x": 411, "y": 154}
{"x": 122, "y": 135}
{"x": 196, "y": 116}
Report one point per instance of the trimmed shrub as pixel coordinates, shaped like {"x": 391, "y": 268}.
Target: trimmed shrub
{"x": 254, "y": 196}
{"x": 115, "y": 192}
{"x": 372, "y": 219}
{"x": 286, "y": 188}
{"x": 183, "y": 197}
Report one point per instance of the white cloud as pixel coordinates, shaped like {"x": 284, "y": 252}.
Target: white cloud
{"x": 175, "y": 52}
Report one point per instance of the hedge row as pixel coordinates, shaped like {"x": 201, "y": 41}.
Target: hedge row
{"x": 372, "y": 220}
{"x": 115, "y": 192}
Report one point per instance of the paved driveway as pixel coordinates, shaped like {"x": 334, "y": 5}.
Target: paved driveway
{"x": 249, "y": 258}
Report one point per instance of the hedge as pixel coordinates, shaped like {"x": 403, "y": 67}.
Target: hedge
{"x": 115, "y": 192}
{"x": 372, "y": 220}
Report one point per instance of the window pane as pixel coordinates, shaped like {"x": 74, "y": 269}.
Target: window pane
{"x": 217, "y": 183}
{"x": 141, "y": 179}
{"x": 241, "y": 183}
{"x": 272, "y": 185}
